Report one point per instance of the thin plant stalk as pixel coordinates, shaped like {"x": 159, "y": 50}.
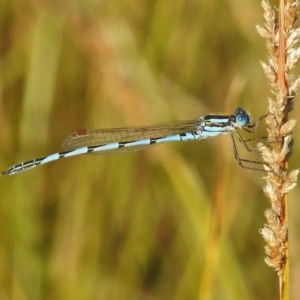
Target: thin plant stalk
{"x": 282, "y": 39}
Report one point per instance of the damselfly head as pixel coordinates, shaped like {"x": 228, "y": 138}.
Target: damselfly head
{"x": 241, "y": 118}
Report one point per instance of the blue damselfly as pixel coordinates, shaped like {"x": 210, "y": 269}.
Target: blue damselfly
{"x": 118, "y": 140}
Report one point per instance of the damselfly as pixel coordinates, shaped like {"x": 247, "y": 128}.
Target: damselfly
{"x": 118, "y": 140}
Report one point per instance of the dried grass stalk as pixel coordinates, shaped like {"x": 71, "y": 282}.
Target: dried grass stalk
{"x": 282, "y": 38}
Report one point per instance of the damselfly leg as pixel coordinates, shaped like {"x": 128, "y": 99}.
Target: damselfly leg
{"x": 242, "y": 161}
{"x": 250, "y": 128}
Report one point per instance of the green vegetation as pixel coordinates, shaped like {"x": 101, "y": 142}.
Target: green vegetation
{"x": 178, "y": 221}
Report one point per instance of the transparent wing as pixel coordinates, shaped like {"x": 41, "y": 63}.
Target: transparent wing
{"x": 95, "y": 137}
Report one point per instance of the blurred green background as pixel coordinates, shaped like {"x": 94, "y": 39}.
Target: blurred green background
{"x": 178, "y": 221}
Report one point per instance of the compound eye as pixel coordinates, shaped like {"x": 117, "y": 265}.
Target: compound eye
{"x": 242, "y": 118}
